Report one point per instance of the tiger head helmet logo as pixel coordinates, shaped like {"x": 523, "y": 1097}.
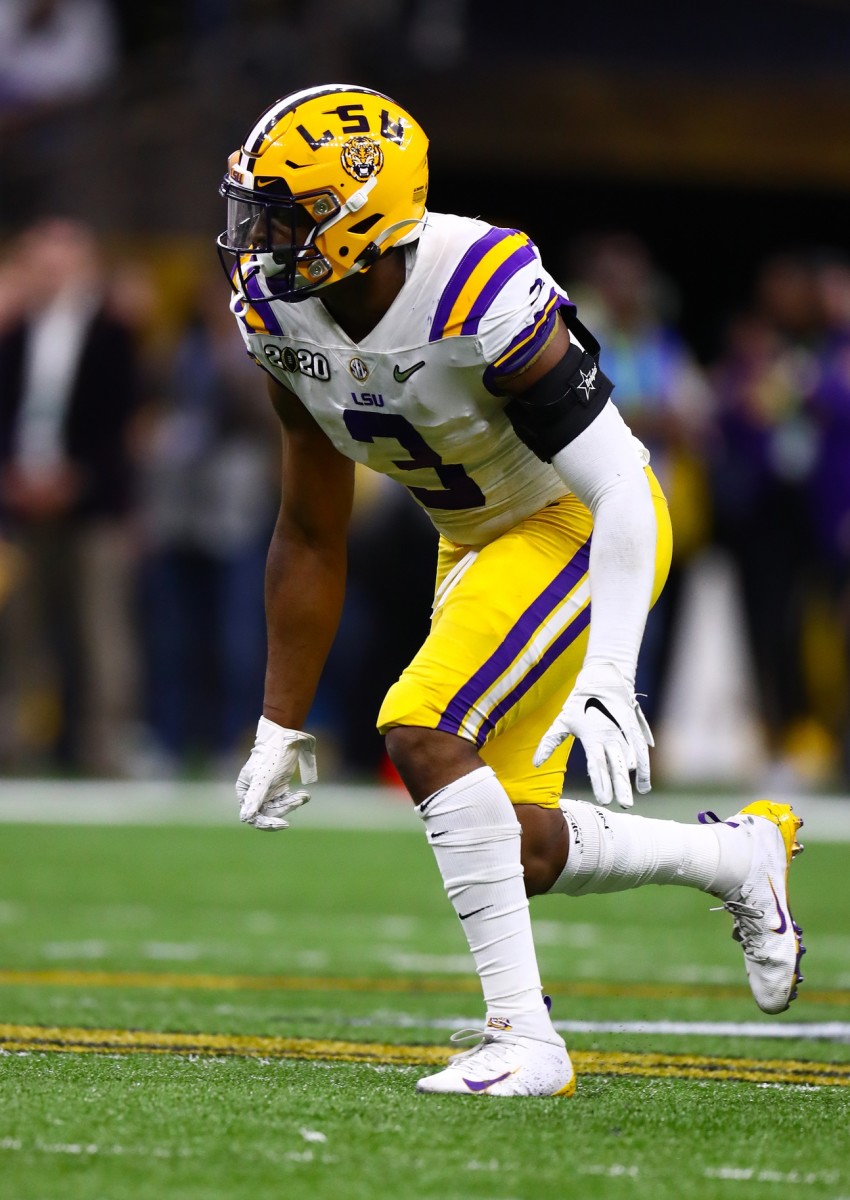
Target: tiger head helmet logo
{"x": 362, "y": 157}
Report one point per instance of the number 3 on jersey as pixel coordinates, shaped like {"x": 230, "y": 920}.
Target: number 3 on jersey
{"x": 458, "y": 490}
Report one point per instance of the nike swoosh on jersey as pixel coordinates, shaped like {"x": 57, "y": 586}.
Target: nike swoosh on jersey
{"x": 402, "y": 376}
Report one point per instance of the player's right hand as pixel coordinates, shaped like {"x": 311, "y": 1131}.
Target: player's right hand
{"x": 265, "y": 797}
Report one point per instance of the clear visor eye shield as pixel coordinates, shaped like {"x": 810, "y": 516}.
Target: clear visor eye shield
{"x": 278, "y": 236}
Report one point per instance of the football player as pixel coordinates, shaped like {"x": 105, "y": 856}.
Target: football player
{"x": 439, "y": 350}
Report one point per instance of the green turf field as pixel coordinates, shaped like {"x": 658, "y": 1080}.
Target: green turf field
{"x": 217, "y": 1013}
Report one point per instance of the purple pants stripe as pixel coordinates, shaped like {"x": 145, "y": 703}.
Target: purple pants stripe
{"x": 564, "y": 639}
{"x": 515, "y": 641}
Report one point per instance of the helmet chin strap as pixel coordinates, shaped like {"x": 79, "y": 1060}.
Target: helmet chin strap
{"x": 361, "y": 265}
{"x": 408, "y": 237}
{"x": 353, "y": 204}
{"x": 270, "y": 268}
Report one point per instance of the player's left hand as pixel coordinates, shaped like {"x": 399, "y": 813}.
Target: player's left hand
{"x": 602, "y": 711}
{"x": 263, "y": 787}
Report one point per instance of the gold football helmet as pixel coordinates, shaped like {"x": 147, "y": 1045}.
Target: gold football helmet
{"x": 328, "y": 180}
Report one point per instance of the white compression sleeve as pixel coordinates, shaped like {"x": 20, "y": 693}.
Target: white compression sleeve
{"x": 611, "y": 852}
{"x": 475, "y": 837}
{"x": 603, "y": 468}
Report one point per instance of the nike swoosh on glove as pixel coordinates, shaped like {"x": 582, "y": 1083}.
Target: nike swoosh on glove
{"x": 265, "y": 797}
{"x": 602, "y": 711}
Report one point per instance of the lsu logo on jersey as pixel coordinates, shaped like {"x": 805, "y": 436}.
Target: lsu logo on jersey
{"x": 361, "y": 157}
{"x": 368, "y": 399}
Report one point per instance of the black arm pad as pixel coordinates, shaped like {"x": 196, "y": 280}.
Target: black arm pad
{"x": 561, "y": 405}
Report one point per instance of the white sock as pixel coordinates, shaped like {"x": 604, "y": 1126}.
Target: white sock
{"x": 475, "y": 837}
{"x": 611, "y": 851}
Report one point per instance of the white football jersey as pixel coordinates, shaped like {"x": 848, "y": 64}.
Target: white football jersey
{"x": 418, "y": 398}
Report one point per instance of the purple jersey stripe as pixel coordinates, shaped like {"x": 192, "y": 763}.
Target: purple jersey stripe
{"x": 517, "y": 355}
{"x": 261, "y": 305}
{"x": 491, "y": 289}
{"x": 564, "y": 639}
{"x": 515, "y": 641}
{"x": 527, "y": 343}
{"x": 460, "y": 277}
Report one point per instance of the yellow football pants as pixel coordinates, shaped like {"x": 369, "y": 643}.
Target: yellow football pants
{"x": 508, "y": 637}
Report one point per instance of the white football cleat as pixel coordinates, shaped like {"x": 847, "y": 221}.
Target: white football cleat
{"x": 504, "y": 1064}
{"x": 769, "y": 936}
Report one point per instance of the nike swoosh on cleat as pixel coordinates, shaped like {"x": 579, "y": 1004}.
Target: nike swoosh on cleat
{"x": 475, "y": 911}
{"x": 594, "y": 703}
{"x": 783, "y": 924}
{"x": 402, "y": 376}
{"x": 481, "y": 1085}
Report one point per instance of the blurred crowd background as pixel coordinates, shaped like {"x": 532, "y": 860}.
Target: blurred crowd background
{"x": 686, "y": 176}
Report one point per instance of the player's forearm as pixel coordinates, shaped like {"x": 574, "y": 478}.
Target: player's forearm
{"x": 305, "y": 588}
{"x": 603, "y": 469}
{"x": 622, "y": 568}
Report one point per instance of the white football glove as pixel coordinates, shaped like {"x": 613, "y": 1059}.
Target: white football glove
{"x": 263, "y": 785}
{"x": 603, "y": 713}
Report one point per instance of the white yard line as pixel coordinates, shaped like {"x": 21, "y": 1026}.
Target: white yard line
{"x": 759, "y": 1175}
{"x": 831, "y": 1031}
{"x": 334, "y": 806}
{"x": 107, "y": 802}
{"x": 808, "y": 1031}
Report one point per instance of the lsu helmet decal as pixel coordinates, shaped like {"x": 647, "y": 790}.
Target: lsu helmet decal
{"x": 362, "y": 157}
{"x": 327, "y": 181}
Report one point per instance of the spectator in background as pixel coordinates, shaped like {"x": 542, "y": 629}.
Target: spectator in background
{"x": 13, "y": 286}
{"x": 55, "y": 55}
{"x": 12, "y": 291}
{"x": 761, "y": 478}
{"x": 53, "y": 52}
{"x": 664, "y": 397}
{"x": 829, "y": 489}
{"x": 209, "y": 463}
{"x": 68, "y": 392}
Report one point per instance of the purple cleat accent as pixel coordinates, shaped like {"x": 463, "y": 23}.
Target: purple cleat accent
{"x": 783, "y": 924}
{"x": 707, "y": 817}
{"x": 506, "y": 1063}
{"x": 481, "y": 1085}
